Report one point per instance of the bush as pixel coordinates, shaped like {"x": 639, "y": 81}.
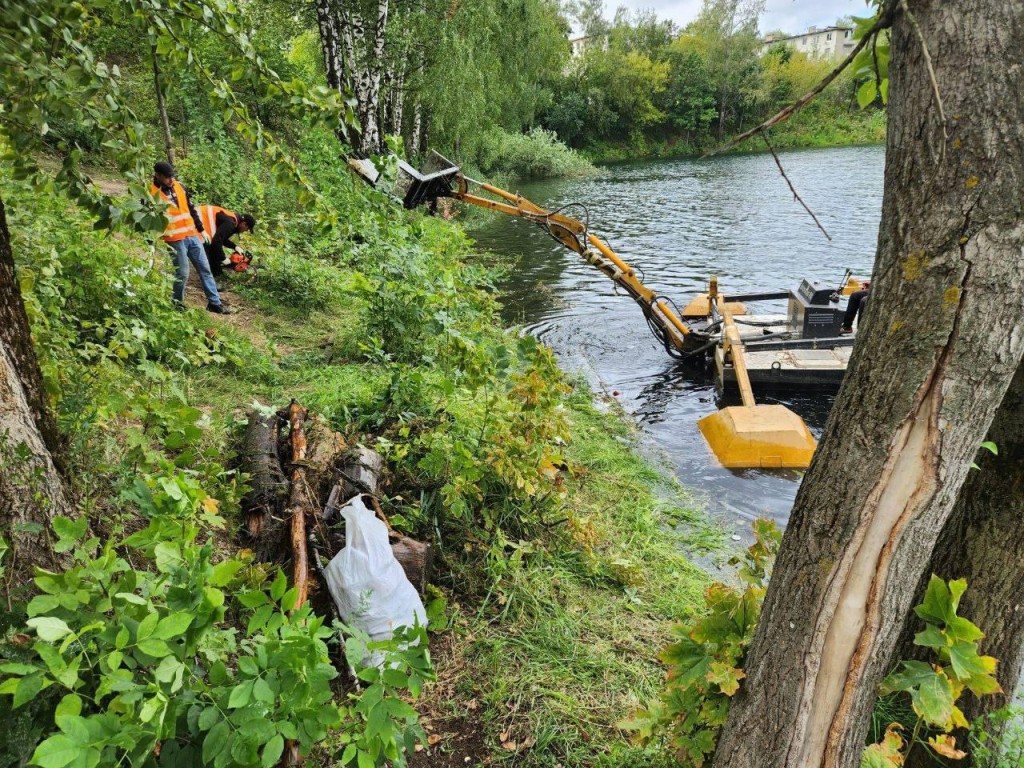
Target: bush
{"x": 538, "y": 155}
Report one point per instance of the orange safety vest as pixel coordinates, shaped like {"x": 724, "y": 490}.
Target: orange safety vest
{"x": 208, "y": 215}
{"x": 179, "y": 220}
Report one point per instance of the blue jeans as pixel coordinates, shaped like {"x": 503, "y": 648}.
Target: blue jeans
{"x": 184, "y": 251}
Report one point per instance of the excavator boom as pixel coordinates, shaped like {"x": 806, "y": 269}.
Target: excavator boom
{"x": 449, "y": 181}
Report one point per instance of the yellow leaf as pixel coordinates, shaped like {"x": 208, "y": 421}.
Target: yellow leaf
{"x": 945, "y": 745}
{"x": 211, "y": 505}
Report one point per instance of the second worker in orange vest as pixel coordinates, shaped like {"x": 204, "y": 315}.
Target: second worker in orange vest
{"x": 221, "y": 225}
{"x": 182, "y": 235}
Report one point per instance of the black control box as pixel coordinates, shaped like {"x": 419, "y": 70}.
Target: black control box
{"x": 812, "y": 312}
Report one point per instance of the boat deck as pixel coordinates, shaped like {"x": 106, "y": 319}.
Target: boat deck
{"x": 802, "y": 366}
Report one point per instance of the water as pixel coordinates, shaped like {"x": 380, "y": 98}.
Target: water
{"x": 680, "y": 221}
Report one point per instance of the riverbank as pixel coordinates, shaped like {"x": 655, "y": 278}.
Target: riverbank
{"x": 806, "y": 129}
{"x": 562, "y": 556}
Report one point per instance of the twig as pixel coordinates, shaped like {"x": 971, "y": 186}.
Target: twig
{"x": 785, "y": 113}
{"x": 928, "y": 62}
{"x": 792, "y": 189}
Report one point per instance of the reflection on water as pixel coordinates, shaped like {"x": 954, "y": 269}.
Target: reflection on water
{"x": 679, "y": 222}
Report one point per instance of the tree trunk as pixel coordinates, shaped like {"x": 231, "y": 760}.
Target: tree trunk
{"x": 417, "y": 127}
{"x": 368, "y": 84}
{"x": 165, "y": 124}
{"x": 982, "y": 542}
{"x": 32, "y": 490}
{"x": 942, "y": 337}
{"x": 330, "y": 44}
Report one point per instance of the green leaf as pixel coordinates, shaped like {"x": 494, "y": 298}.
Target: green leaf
{"x": 209, "y": 717}
{"x": 932, "y": 637}
{"x": 173, "y": 625}
{"x": 240, "y": 695}
{"x": 49, "y": 628}
{"x": 365, "y": 760}
{"x": 279, "y": 586}
{"x": 867, "y": 93}
{"x": 147, "y": 626}
{"x": 71, "y": 704}
{"x": 272, "y": 752}
{"x": 42, "y": 604}
{"x": 153, "y": 647}
{"x": 224, "y": 572}
{"x": 262, "y": 691}
{"x": 27, "y": 689}
{"x": 935, "y": 606}
{"x": 216, "y": 740}
{"x": 56, "y": 752}
{"x": 933, "y": 701}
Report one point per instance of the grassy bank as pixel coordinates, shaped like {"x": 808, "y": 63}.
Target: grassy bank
{"x": 811, "y": 127}
{"x": 562, "y": 556}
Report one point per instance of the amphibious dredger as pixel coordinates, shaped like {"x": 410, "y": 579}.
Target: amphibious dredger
{"x": 801, "y": 347}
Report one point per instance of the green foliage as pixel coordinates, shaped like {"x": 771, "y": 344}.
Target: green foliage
{"x": 534, "y": 155}
{"x": 69, "y": 84}
{"x": 705, "y": 663}
{"x": 934, "y": 688}
{"x": 997, "y": 739}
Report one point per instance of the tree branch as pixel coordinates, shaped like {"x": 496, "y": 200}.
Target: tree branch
{"x": 792, "y": 189}
{"x": 928, "y": 63}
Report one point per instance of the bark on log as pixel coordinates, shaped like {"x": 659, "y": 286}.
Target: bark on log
{"x": 942, "y": 338}
{"x": 982, "y": 542}
{"x": 416, "y": 559}
{"x": 259, "y": 459}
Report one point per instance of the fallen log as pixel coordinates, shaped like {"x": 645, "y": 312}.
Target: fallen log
{"x": 360, "y": 472}
{"x": 260, "y": 461}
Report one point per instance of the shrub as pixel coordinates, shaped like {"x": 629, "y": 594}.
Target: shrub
{"x": 537, "y": 155}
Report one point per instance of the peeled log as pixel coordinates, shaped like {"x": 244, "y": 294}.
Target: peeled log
{"x": 298, "y": 503}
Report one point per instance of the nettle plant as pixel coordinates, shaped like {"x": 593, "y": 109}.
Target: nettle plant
{"x": 935, "y": 687}
{"x": 705, "y": 663}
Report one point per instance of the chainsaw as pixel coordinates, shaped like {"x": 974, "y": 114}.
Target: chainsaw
{"x": 240, "y": 261}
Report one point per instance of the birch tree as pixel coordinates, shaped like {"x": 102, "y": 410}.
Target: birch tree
{"x": 941, "y": 341}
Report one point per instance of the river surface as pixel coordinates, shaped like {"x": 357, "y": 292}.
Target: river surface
{"x": 680, "y": 221}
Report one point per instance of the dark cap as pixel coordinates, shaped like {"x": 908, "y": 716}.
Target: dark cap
{"x": 163, "y": 168}
{"x": 249, "y": 221}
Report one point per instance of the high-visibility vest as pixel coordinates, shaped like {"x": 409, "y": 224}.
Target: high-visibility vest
{"x": 208, "y": 215}
{"x": 179, "y": 220}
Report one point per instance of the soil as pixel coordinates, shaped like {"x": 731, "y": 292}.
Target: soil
{"x": 455, "y": 740}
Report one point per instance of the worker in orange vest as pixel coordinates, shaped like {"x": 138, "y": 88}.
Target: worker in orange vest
{"x": 184, "y": 236}
{"x": 221, "y": 225}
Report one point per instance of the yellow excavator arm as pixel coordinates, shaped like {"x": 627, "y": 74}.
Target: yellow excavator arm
{"x": 574, "y": 235}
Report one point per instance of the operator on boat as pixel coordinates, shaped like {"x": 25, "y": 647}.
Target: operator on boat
{"x": 855, "y": 308}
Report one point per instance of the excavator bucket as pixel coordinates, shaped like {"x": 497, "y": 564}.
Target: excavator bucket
{"x": 752, "y": 436}
{"x": 758, "y": 436}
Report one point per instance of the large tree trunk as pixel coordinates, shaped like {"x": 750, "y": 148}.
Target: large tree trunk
{"x": 161, "y": 107}
{"x": 982, "y": 542}
{"x": 31, "y": 488}
{"x": 942, "y": 338}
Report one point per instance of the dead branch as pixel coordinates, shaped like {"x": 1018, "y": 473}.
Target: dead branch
{"x": 796, "y": 195}
{"x": 884, "y": 19}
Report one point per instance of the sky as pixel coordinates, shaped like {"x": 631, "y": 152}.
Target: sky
{"x": 790, "y": 16}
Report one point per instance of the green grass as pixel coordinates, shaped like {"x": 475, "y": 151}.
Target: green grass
{"x": 566, "y": 645}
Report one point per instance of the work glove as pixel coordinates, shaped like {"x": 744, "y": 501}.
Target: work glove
{"x": 205, "y": 236}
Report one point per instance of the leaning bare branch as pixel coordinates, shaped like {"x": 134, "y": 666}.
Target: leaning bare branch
{"x": 928, "y": 62}
{"x": 792, "y": 189}
{"x": 785, "y": 113}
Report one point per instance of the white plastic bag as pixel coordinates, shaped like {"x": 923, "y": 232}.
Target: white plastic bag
{"x": 367, "y": 582}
